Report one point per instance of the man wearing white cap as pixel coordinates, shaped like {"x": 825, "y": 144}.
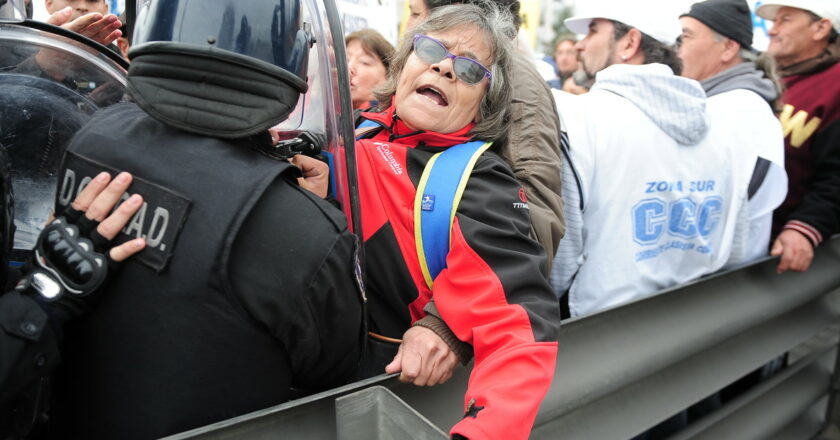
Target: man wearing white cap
{"x": 659, "y": 195}
{"x": 804, "y": 43}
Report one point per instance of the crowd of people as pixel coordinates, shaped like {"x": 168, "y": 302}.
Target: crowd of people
{"x": 494, "y": 204}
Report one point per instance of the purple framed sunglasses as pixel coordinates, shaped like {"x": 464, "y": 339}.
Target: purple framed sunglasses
{"x": 466, "y": 69}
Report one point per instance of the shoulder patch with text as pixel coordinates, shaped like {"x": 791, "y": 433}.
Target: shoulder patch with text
{"x": 159, "y": 220}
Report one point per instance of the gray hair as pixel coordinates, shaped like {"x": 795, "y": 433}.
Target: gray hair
{"x": 745, "y": 53}
{"x": 497, "y": 26}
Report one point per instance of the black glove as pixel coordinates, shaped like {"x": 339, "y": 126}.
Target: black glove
{"x": 71, "y": 263}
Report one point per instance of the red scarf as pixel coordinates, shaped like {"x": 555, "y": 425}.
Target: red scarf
{"x": 397, "y": 131}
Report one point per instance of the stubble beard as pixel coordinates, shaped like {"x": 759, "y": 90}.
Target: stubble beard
{"x": 611, "y": 58}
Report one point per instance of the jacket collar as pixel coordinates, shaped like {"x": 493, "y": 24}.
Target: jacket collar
{"x": 397, "y": 131}
{"x": 828, "y": 58}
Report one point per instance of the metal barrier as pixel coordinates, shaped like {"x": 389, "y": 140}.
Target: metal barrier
{"x": 622, "y": 371}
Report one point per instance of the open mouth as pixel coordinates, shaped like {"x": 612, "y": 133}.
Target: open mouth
{"x": 433, "y": 94}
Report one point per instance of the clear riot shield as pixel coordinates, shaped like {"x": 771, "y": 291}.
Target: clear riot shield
{"x": 325, "y": 109}
{"x": 52, "y": 81}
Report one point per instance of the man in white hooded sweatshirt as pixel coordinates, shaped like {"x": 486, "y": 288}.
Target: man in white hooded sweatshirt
{"x": 657, "y": 188}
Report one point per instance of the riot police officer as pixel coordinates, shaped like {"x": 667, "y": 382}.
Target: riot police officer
{"x": 246, "y": 287}
{"x": 63, "y": 282}
{"x": 37, "y": 116}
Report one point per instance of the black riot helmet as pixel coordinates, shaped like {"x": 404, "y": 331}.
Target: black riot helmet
{"x": 269, "y": 31}
{"x": 225, "y": 47}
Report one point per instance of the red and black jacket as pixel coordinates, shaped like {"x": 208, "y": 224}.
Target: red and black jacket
{"x": 493, "y": 294}
{"x": 811, "y": 121}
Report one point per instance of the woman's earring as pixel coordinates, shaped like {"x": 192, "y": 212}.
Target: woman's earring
{"x": 624, "y": 58}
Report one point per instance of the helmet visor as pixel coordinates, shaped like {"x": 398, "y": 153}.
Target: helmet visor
{"x": 269, "y": 31}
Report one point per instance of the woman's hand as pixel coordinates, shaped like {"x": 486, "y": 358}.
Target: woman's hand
{"x": 316, "y": 174}
{"x": 73, "y": 258}
{"x": 423, "y": 358}
{"x": 97, "y": 201}
{"x": 103, "y": 29}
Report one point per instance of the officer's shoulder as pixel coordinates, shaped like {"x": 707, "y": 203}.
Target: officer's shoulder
{"x": 116, "y": 115}
{"x": 104, "y": 121}
{"x": 121, "y": 108}
{"x": 302, "y": 202}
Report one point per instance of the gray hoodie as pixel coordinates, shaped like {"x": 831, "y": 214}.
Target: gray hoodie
{"x": 742, "y": 76}
{"x": 676, "y": 105}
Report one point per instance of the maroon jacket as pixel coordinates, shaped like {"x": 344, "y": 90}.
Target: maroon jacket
{"x": 811, "y": 122}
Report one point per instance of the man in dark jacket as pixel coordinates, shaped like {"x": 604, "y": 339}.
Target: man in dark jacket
{"x": 804, "y": 43}
{"x": 246, "y": 287}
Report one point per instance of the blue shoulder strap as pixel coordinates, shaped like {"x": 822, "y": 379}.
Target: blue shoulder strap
{"x": 438, "y": 194}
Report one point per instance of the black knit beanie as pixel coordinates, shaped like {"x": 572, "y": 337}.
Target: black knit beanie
{"x": 730, "y": 18}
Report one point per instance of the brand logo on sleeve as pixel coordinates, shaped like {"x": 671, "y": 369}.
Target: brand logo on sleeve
{"x": 524, "y": 198}
{"x": 427, "y": 203}
{"x": 387, "y": 155}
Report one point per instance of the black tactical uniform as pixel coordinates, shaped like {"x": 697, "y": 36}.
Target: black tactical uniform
{"x": 28, "y": 353}
{"x": 31, "y": 325}
{"x": 28, "y": 349}
{"x": 28, "y": 346}
{"x": 245, "y": 289}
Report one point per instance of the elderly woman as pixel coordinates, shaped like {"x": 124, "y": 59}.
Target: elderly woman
{"x": 368, "y": 58}
{"x": 533, "y": 144}
{"x": 448, "y": 85}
